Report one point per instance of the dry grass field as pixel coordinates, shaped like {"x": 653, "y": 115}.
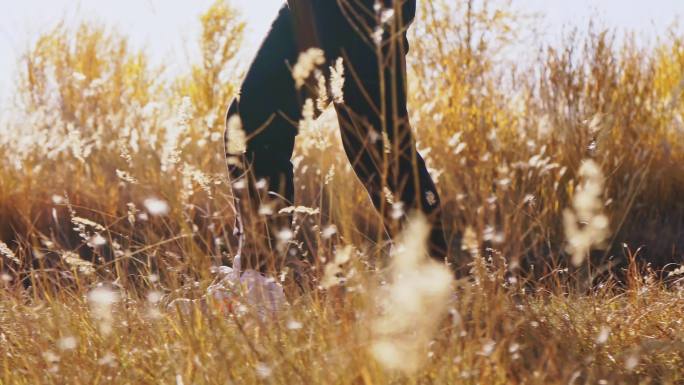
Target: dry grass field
{"x": 565, "y": 171}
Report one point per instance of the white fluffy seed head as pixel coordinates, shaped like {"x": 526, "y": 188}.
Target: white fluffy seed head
{"x": 66, "y": 343}
{"x": 103, "y": 296}
{"x": 156, "y": 206}
{"x": 306, "y": 64}
{"x": 236, "y": 138}
{"x": 586, "y": 226}
{"x": 337, "y": 81}
{"x": 101, "y": 301}
{"x": 413, "y": 303}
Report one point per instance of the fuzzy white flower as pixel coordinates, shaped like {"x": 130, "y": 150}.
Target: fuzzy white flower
{"x": 413, "y": 303}
{"x": 66, "y": 343}
{"x": 586, "y": 227}
{"x": 236, "y": 139}
{"x": 156, "y": 207}
{"x": 307, "y": 126}
{"x": 603, "y": 335}
{"x": 171, "y": 150}
{"x": 337, "y": 81}
{"x": 101, "y": 300}
{"x": 322, "y": 91}
{"x": 329, "y": 231}
{"x": 306, "y": 64}
{"x": 333, "y": 270}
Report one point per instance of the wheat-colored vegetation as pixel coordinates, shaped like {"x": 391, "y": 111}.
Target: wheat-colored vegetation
{"x": 566, "y": 176}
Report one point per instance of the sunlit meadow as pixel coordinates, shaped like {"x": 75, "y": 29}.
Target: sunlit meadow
{"x": 564, "y": 172}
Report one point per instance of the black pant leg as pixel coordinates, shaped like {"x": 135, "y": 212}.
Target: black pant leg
{"x": 267, "y": 107}
{"x": 374, "y": 120}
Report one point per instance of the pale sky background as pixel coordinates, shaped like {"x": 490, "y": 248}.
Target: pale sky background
{"x": 168, "y": 28}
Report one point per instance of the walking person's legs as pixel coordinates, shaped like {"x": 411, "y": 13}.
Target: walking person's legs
{"x": 374, "y": 121}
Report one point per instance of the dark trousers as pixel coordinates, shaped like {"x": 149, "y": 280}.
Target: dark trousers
{"x": 373, "y": 119}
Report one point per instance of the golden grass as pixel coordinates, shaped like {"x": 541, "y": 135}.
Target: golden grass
{"x": 497, "y": 333}
{"x": 96, "y": 133}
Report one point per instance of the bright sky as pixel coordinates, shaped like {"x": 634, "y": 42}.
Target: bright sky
{"x": 166, "y": 28}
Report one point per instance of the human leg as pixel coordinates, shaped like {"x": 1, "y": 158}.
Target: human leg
{"x": 262, "y": 176}
{"x": 374, "y": 120}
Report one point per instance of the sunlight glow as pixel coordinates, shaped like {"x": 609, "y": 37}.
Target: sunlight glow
{"x": 166, "y": 28}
